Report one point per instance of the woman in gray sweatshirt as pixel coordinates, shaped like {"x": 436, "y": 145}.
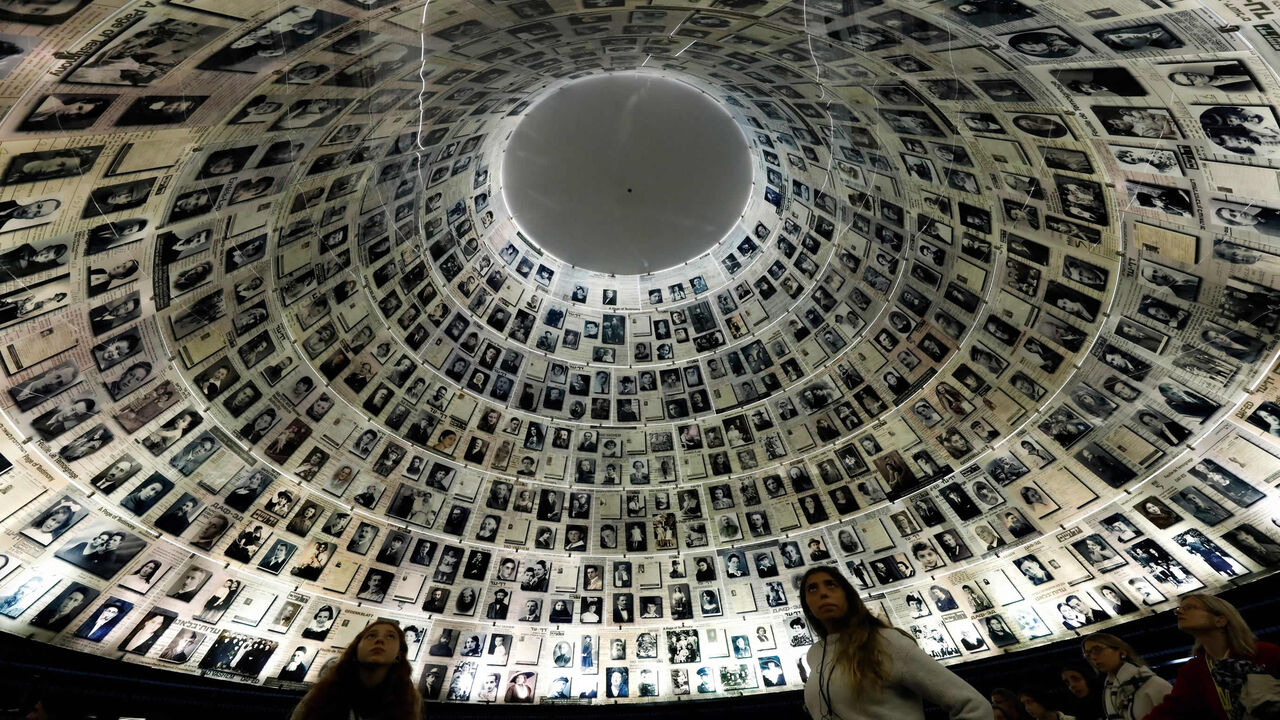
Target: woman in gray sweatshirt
{"x": 863, "y": 669}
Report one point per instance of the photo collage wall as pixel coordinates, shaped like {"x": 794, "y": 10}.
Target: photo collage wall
{"x": 277, "y": 360}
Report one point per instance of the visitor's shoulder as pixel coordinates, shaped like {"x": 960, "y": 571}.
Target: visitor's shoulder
{"x": 895, "y": 641}
{"x": 815, "y": 653}
{"x": 1267, "y": 654}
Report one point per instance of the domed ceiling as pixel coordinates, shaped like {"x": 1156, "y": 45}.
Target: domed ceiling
{"x": 314, "y": 314}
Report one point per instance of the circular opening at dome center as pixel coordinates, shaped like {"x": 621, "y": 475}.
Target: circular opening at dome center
{"x": 626, "y": 173}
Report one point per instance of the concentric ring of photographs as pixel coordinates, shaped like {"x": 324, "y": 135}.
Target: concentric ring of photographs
{"x": 575, "y": 484}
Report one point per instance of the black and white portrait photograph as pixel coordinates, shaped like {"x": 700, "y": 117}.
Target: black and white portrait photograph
{"x": 50, "y": 164}
{"x": 1165, "y": 199}
{"x": 1150, "y": 161}
{"x": 1197, "y": 543}
{"x": 1098, "y": 553}
{"x": 1162, "y": 568}
{"x": 40, "y": 13}
{"x": 1046, "y": 44}
{"x": 238, "y": 654}
{"x": 1137, "y": 122}
{"x": 114, "y": 198}
{"x": 67, "y": 605}
{"x": 1243, "y": 130}
{"x": 160, "y": 110}
{"x": 277, "y": 37}
{"x": 1225, "y": 483}
{"x": 1152, "y": 36}
{"x": 55, "y": 520}
{"x": 101, "y": 622}
{"x": 102, "y": 548}
{"x": 63, "y": 112}
{"x": 148, "y": 631}
{"x": 145, "y": 52}
{"x": 147, "y": 574}
{"x": 26, "y": 213}
{"x": 1255, "y": 544}
{"x": 1113, "y": 81}
{"x": 1215, "y": 76}
{"x": 183, "y": 646}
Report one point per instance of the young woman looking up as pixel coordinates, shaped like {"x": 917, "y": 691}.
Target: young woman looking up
{"x": 865, "y": 670}
{"x": 1224, "y": 655}
{"x": 369, "y": 682}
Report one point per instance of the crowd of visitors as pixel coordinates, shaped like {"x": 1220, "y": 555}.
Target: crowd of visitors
{"x": 863, "y": 669}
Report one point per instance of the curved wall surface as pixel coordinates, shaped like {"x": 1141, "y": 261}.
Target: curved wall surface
{"x": 993, "y": 333}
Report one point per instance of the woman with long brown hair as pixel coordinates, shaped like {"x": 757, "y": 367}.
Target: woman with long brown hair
{"x": 863, "y": 669}
{"x": 369, "y": 682}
